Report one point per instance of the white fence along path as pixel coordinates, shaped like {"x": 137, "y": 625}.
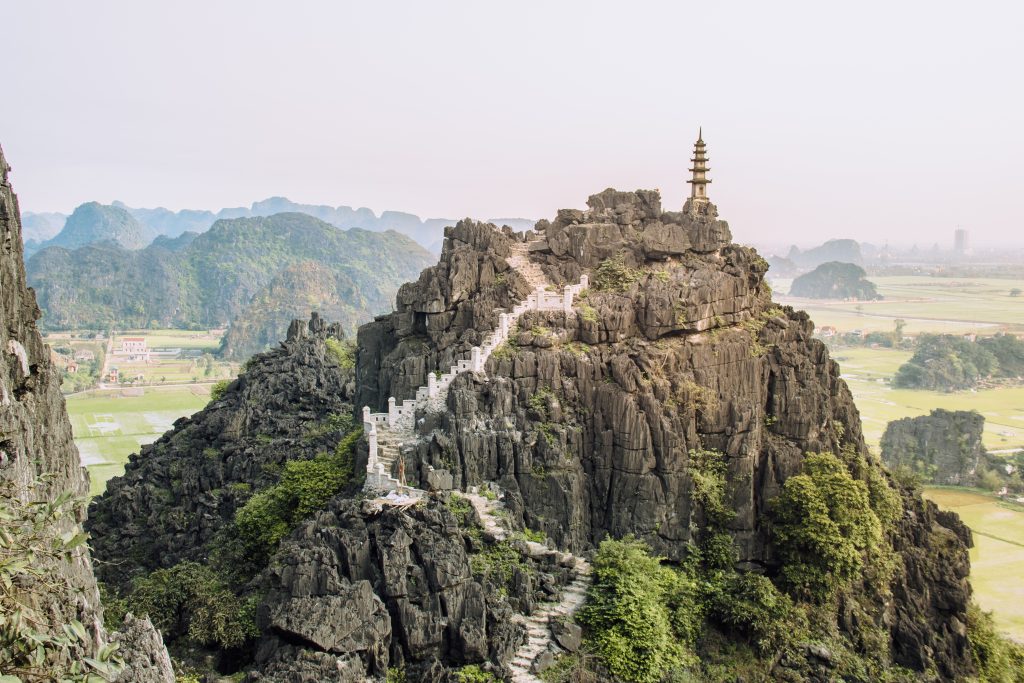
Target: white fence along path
{"x": 386, "y": 432}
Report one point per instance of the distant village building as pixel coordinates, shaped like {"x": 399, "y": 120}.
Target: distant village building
{"x": 112, "y": 375}
{"x": 85, "y": 356}
{"x": 135, "y": 348}
{"x": 826, "y": 331}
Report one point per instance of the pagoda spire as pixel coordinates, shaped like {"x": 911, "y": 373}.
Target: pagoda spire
{"x": 699, "y": 182}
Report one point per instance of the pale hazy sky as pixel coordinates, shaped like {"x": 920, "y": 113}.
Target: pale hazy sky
{"x": 877, "y": 120}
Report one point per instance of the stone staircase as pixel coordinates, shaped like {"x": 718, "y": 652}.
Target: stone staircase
{"x": 387, "y": 432}
{"x": 538, "y": 625}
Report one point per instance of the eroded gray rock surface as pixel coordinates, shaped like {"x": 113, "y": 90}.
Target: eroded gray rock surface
{"x": 36, "y": 441}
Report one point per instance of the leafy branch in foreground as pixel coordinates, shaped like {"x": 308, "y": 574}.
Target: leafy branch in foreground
{"x": 33, "y": 556}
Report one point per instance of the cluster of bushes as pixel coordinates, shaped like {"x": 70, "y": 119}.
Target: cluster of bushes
{"x": 644, "y": 619}
{"x": 945, "y": 362}
{"x": 305, "y": 486}
{"x": 999, "y": 660}
{"x": 193, "y": 600}
{"x": 343, "y": 352}
{"x": 828, "y": 524}
{"x": 613, "y": 275}
{"x": 648, "y": 621}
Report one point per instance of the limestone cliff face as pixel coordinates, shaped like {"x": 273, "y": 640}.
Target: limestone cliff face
{"x": 944, "y": 447}
{"x": 36, "y": 441}
{"x": 588, "y": 419}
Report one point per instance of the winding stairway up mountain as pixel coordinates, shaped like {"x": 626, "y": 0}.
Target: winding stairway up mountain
{"x": 388, "y": 433}
{"x": 538, "y": 625}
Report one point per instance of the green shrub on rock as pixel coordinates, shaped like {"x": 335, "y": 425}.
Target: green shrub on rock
{"x": 753, "y": 606}
{"x": 472, "y": 673}
{"x": 613, "y": 275}
{"x": 343, "y": 352}
{"x": 823, "y": 523}
{"x": 304, "y": 488}
{"x": 999, "y": 660}
{"x": 629, "y": 613}
{"x": 218, "y": 390}
{"x": 191, "y": 599}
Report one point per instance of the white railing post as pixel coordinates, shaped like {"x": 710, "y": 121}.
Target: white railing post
{"x": 504, "y": 324}
{"x": 432, "y": 385}
{"x": 474, "y": 355}
{"x": 567, "y": 300}
{"x": 366, "y": 417}
{"x": 584, "y": 281}
{"x": 371, "y": 462}
{"x": 392, "y": 413}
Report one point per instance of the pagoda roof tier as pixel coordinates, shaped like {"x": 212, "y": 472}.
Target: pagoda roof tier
{"x": 699, "y": 181}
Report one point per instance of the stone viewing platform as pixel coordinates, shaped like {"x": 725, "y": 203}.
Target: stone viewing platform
{"x": 387, "y": 432}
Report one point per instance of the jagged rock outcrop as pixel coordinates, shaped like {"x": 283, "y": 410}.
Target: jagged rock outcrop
{"x": 36, "y": 446}
{"x": 944, "y": 447}
{"x": 177, "y": 492}
{"x": 355, "y": 592}
{"x": 588, "y": 419}
{"x": 143, "y": 653}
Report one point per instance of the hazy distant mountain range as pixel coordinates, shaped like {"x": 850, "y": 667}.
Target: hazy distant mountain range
{"x": 94, "y": 222}
{"x": 208, "y": 280}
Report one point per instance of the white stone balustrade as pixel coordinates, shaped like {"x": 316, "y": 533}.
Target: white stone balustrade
{"x": 401, "y": 418}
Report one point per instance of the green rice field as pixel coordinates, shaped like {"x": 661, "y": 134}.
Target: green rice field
{"x": 110, "y": 424}
{"x": 927, "y": 304}
{"x": 867, "y": 372}
{"x": 997, "y": 557}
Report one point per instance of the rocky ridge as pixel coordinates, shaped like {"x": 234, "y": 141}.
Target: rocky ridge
{"x": 587, "y": 423}
{"x": 177, "y": 493}
{"x": 588, "y": 419}
{"x": 944, "y": 447}
{"x": 39, "y": 461}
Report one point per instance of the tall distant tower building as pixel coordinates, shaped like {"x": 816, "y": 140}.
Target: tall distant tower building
{"x": 699, "y": 181}
{"x": 961, "y": 246}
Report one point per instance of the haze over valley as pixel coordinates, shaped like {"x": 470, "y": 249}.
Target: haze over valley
{"x": 730, "y": 390}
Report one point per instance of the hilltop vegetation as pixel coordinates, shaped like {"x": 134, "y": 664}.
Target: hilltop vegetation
{"x": 835, "y": 280}
{"x": 208, "y": 281}
{"x": 945, "y": 362}
{"x": 94, "y": 222}
{"x": 294, "y": 292}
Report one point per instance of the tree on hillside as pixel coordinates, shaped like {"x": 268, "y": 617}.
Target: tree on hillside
{"x": 897, "y": 333}
{"x": 944, "y": 362}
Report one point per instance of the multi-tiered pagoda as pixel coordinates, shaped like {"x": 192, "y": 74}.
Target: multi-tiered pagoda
{"x": 699, "y": 182}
